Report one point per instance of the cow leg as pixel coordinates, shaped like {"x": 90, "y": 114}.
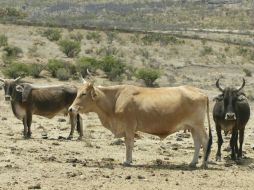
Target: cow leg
{"x": 204, "y": 140}
{"x": 236, "y": 143}
{"x": 197, "y": 145}
{"x": 29, "y": 122}
{"x": 80, "y": 126}
{"x": 73, "y": 120}
{"x": 220, "y": 142}
{"x": 25, "y": 133}
{"x": 129, "y": 143}
{"x": 233, "y": 141}
{"x": 241, "y": 138}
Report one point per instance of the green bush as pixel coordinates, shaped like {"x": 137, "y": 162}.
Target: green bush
{"x": 63, "y": 74}
{"x": 35, "y": 70}
{"x": 111, "y": 36}
{"x": 3, "y": 40}
{"x": 12, "y": 12}
{"x": 107, "y": 51}
{"x": 149, "y": 75}
{"x": 15, "y": 70}
{"x": 247, "y": 72}
{"x": 163, "y": 39}
{"x": 76, "y": 36}
{"x": 12, "y": 51}
{"x": 206, "y": 51}
{"x": 113, "y": 67}
{"x": 70, "y": 48}
{"x": 54, "y": 65}
{"x": 52, "y": 34}
{"x": 85, "y": 63}
{"x": 94, "y": 36}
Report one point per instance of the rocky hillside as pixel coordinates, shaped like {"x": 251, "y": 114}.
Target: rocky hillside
{"x": 135, "y": 14}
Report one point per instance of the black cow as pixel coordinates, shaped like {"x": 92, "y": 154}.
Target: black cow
{"x": 231, "y": 113}
{"x": 27, "y": 99}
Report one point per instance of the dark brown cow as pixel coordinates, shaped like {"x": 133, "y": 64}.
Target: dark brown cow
{"x": 231, "y": 113}
{"x": 27, "y": 99}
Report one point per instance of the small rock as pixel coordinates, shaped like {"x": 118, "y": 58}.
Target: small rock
{"x": 37, "y": 186}
{"x": 61, "y": 120}
{"x": 179, "y": 139}
{"x": 228, "y": 164}
{"x": 166, "y": 179}
{"x": 177, "y": 183}
{"x": 174, "y": 148}
{"x": 61, "y": 138}
{"x": 141, "y": 177}
{"x": 98, "y": 147}
{"x": 158, "y": 162}
{"x": 10, "y": 134}
{"x": 55, "y": 143}
{"x": 45, "y": 74}
{"x": 117, "y": 142}
{"x": 128, "y": 177}
{"x": 251, "y": 166}
{"x": 108, "y": 159}
{"x": 44, "y": 135}
{"x": 142, "y": 149}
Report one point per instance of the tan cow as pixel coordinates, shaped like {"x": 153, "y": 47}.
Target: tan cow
{"x": 125, "y": 109}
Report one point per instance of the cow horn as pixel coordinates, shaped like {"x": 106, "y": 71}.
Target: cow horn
{"x": 2, "y": 80}
{"x": 88, "y": 72}
{"x": 243, "y": 84}
{"x": 218, "y": 85}
{"x": 82, "y": 79}
{"x": 90, "y": 76}
{"x": 17, "y": 79}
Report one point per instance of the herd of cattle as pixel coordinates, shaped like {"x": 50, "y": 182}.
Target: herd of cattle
{"x": 126, "y": 109}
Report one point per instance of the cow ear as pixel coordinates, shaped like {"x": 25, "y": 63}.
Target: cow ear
{"x": 94, "y": 93}
{"x": 19, "y": 88}
{"x": 218, "y": 98}
{"x": 241, "y": 96}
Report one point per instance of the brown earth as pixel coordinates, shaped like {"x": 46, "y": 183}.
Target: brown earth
{"x": 95, "y": 162}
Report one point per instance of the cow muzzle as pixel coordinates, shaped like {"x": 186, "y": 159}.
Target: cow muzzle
{"x": 7, "y": 98}
{"x": 72, "y": 110}
{"x": 230, "y": 116}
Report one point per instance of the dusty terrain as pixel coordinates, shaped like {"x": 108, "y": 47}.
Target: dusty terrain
{"x": 95, "y": 162}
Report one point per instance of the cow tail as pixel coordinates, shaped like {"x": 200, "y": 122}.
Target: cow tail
{"x": 78, "y": 123}
{"x": 210, "y": 141}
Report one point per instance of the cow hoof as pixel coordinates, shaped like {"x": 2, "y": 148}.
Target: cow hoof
{"x": 193, "y": 165}
{"x": 218, "y": 158}
{"x": 80, "y": 139}
{"x": 27, "y": 137}
{"x": 204, "y": 166}
{"x": 69, "y": 137}
{"x": 233, "y": 158}
{"x": 126, "y": 164}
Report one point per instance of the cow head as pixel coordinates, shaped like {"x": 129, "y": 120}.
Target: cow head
{"x": 86, "y": 98}
{"x": 230, "y": 97}
{"x": 9, "y": 85}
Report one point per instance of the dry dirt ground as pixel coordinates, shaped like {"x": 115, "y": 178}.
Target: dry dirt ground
{"x": 95, "y": 162}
